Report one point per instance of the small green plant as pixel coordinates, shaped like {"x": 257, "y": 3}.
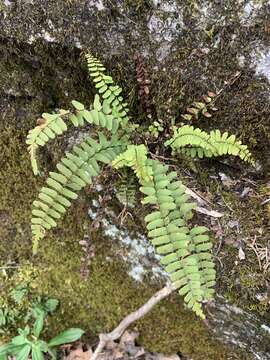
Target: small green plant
{"x": 155, "y": 129}
{"x": 185, "y": 250}
{"x": 28, "y": 343}
{"x": 10, "y": 312}
{"x": 19, "y": 307}
{"x": 19, "y": 292}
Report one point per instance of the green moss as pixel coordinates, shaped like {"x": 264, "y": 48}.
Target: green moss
{"x": 248, "y": 278}
{"x": 16, "y": 196}
{"x": 99, "y": 303}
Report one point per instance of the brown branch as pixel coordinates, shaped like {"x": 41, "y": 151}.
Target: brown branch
{"x": 129, "y": 319}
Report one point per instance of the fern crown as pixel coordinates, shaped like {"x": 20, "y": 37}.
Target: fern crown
{"x": 185, "y": 251}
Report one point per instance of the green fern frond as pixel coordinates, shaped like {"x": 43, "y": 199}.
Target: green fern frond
{"x": 199, "y": 242}
{"x": 74, "y": 172}
{"x": 209, "y": 145}
{"x": 107, "y": 89}
{"x": 52, "y": 125}
{"x": 135, "y": 157}
{"x": 226, "y": 144}
{"x": 185, "y": 253}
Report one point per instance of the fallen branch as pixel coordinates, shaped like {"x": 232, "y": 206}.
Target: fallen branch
{"x": 129, "y": 319}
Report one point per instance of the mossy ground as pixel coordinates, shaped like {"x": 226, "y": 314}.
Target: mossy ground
{"x": 243, "y": 281}
{"x": 249, "y": 289}
{"x": 37, "y": 78}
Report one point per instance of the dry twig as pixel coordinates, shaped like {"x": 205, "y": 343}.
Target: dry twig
{"x": 262, "y": 253}
{"x": 201, "y": 201}
{"x": 129, "y": 319}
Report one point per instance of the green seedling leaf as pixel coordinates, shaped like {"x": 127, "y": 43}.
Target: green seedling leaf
{"x": 51, "y": 305}
{"x": 18, "y": 293}
{"x": 24, "y": 353}
{"x": 67, "y": 336}
{"x": 37, "y": 352}
{"x": 11, "y": 349}
{"x": 19, "y": 340}
{"x": 4, "y": 349}
{"x": 38, "y": 325}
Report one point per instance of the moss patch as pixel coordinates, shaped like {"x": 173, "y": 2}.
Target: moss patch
{"x": 96, "y": 306}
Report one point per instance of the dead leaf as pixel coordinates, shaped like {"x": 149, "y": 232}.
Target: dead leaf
{"x": 167, "y": 357}
{"x": 246, "y": 191}
{"x": 226, "y": 180}
{"x": 233, "y": 224}
{"x": 217, "y": 229}
{"x": 111, "y": 345}
{"x": 241, "y": 254}
{"x": 207, "y": 114}
{"x": 83, "y": 242}
{"x": 128, "y": 337}
{"x": 79, "y": 354}
{"x": 127, "y": 343}
{"x": 41, "y": 121}
{"x": 118, "y": 353}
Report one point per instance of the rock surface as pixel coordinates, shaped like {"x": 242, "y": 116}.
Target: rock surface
{"x": 190, "y": 47}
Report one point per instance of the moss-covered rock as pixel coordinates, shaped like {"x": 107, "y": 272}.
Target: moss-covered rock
{"x": 190, "y": 48}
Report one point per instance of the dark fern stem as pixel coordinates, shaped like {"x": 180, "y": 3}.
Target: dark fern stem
{"x": 143, "y": 79}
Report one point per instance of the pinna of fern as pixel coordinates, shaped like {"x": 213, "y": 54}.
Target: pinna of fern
{"x": 185, "y": 251}
{"x": 198, "y": 143}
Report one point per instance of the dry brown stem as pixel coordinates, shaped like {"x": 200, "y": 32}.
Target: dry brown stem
{"x": 129, "y": 319}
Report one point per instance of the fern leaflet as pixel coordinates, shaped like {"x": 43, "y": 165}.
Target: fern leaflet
{"x": 126, "y": 189}
{"x": 135, "y": 157}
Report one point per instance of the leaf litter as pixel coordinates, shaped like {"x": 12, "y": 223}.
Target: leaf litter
{"x": 125, "y": 349}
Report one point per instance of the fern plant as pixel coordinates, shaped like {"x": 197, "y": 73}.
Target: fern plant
{"x": 185, "y": 251}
